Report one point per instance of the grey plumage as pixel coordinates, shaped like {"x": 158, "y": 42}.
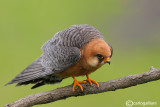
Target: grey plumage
{"x": 59, "y": 53}
{"x": 58, "y": 58}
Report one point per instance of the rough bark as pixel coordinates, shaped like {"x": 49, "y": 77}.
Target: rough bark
{"x": 66, "y": 92}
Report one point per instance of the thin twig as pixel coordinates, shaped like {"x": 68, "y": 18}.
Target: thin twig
{"x": 66, "y": 92}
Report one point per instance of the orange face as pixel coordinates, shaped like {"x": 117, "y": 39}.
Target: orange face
{"x": 97, "y": 53}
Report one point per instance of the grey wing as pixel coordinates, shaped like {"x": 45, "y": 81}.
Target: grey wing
{"x": 58, "y": 58}
{"x": 54, "y": 59}
{"x": 33, "y": 71}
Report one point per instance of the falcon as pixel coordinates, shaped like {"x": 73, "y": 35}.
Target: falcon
{"x": 75, "y": 51}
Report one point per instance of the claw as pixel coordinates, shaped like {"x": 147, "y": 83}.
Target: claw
{"x": 91, "y": 81}
{"x": 77, "y": 83}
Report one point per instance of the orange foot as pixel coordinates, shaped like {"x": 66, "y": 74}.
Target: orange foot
{"x": 90, "y": 81}
{"x": 77, "y": 83}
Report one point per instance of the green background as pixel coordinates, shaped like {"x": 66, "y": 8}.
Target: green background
{"x": 132, "y": 27}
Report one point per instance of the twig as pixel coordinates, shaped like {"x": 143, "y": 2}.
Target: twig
{"x": 66, "y": 92}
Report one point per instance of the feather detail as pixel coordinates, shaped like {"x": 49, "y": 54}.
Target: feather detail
{"x": 33, "y": 71}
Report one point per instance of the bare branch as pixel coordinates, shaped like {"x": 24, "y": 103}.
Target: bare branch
{"x": 66, "y": 92}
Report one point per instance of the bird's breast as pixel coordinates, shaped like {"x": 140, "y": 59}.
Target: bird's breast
{"x": 78, "y": 69}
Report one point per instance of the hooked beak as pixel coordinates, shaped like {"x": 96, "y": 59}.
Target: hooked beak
{"x": 107, "y": 60}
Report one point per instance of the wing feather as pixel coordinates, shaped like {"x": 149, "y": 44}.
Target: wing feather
{"x": 59, "y": 58}
{"x": 33, "y": 71}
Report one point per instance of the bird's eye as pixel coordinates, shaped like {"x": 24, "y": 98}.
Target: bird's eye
{"x": 100, "y": 57}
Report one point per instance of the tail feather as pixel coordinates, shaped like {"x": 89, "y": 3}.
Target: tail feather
{"x": 50, "y": 79}
{"x": 33, "y": 71}
{"x": 28, "y": 74}
{"x": 35, "y": 74}
{"x": 20, "y": 79}
{"x": 38, "y": 84}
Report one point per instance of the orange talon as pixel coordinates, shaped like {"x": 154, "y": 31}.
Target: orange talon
{"x": 90, "y": 81}
{"x": 77, "y": 83}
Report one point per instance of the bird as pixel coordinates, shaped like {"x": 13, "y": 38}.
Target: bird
{"x": 76, "y": 51}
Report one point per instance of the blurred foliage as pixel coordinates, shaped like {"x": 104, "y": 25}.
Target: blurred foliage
{"x": 131, "y": 27}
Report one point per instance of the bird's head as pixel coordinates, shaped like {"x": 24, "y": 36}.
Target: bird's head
{"x": 98, "y": 52}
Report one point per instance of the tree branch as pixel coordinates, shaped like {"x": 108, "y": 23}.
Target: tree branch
{"x": 66, "y": 92}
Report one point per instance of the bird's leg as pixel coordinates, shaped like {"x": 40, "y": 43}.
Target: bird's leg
{"x": 90, "y": 81}
{"x": 77, "y": 83}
